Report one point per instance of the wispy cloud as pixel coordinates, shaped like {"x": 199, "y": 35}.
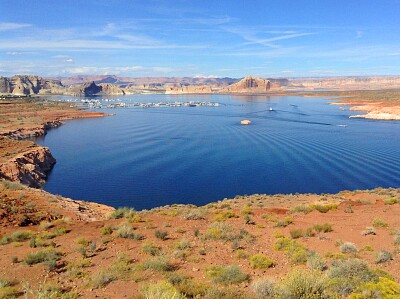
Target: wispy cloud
{"x": 13, "y": 26}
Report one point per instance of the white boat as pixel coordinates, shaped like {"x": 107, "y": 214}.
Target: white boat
{"x": 270, "y": 109}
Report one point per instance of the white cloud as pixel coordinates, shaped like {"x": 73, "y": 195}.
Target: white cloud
{"x": 13, "y": 26}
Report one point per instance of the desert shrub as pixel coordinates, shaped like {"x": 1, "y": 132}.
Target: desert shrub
{"x": 221, "y": 231}
{"x": 383, "y": 256}
{"x": 45, "y": 225}
{"x": 158, "y": 264}
{"x": 182, "y": 244}
{"x": 102, "y": 278}
{"x": 151, "y": 249}
{"x": 323, "y": 228}
{"x": 324, "y": 208}
{"x": 297, "y": 233}
{"x": 188, "y": 286}
{"x": 249, "y": 220}
{"x": 225, "y": 215}
{"x": 226, "y": 274}
{"x": 264, "y": 287}
{"x": 283, "y": 223}
{"x": 17, "y": 236}
{"x": 106, "y": 230}
{"x": 295, "y": 251}
{"x": 316, "y": 262}
{"x": 246, "y": 210}
{"x": 161, "y": 290}
{"x": 346, "y": 275}
{"x": 75, "y": 268}
{"x": 301, "y": 209}
{"x": 161, "y": 234}
{"x": 241, "y": 254}
{"x": 124, "y": 212}
{"x": 126, "y": 231}
{"x": 384, "y": 288}
{"x": 195, "y": 214}
{"x": 348, "y": 247}
{"x": 47, "y": 256}
{"x": 9, "y": 293}
{"x": 7, "y": 283}
{"x": 368, "y": 231}
{"x": 12, "y": 185}
{"x": 391, "y": 201}
{"x": 302, "y": 284}
{"x": 378, "y": 222}
{"x": 119, "y": 269}
{"x": 260, "y": 261}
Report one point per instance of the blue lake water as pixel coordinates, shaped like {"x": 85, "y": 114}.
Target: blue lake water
{"x": 150, "y": 157}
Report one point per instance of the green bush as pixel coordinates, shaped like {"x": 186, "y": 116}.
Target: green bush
{"x": 264, "y": 287}
{"x": 302, "y": 284}
{"x": 384, "y": 288}
{"x": 161, "y": 290}
{"x": 378, "y": 222}
{"x": 391, "y": 201}
{"x": 47, "y": 256}
{"x": 226, "y": 274}
{"x": 368, "y": 231}
{"x": 17, "y": 236}
{"x": 161, "y": 234}
{"x": 348, "y": 247}
{"x": 323, "y": 228}
{"x": 346, "y": 275}
{"x": 9, "y": 293}
{"x": 383, "y": 256}
{"x": 295, "y": 251}
{"x": 316, "y": 262}
{"x": 297, "y": 233}
{"x": 225, "y": 215}
{"x": 106, "y": 230}
{"x": 221, "y": 231}
{"x": 123, "y": 212}
{"x": 260, "y": 261}
{"x": 158, "y": 264}
{"x": 126, "y": 231}
{"x": 151, "y": 249}
{"x": 301, "y": 209}
{"x": 324, "y": 208}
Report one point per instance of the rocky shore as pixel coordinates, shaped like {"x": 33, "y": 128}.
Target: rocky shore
{"x": 29, "y": 168}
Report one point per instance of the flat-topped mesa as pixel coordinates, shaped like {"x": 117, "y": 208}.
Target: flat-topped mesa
{"x": 28, "y": 85}
{"x": 195, "y": 89}
{"x": 249, "y": 84}
{"x": 91, "y": 88}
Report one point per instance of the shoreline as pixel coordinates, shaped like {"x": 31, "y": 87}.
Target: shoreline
{"x": 31, "y": 167}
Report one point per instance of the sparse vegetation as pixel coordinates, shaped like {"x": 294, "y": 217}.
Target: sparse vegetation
{"x": 348, "y": 247}
{"x": 378, "y": 222}
{"x": 226, "y": 274}
{"x": 260, "y": 261}
{"x": 161, "y": 234}
{"x": 383, "y": 256}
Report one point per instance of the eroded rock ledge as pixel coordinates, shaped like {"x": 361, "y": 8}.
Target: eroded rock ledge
{"x": 26, "y": 133}
{"x": 30, "y": 168}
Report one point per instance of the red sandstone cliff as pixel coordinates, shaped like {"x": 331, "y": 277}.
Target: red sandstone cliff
{"x": 29, "y": 168}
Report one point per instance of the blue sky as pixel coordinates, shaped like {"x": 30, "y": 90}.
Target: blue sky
{"x": 277, "y": 38}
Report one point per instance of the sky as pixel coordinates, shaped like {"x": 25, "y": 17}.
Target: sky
{"x": 175, "y": 38}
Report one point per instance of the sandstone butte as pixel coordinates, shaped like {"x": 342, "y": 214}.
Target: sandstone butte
{"x": 234, "y": 248}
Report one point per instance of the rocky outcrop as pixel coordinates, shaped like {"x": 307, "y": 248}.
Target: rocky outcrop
{"x": 111, "y": 89}
{"x": 29, "y": 85}
{"x": 248, "y": 84}
{"x": 25, "y": 133}
{"x": 189, "y": 89}
{"x": 29, "y": 168}
{"x": 90, "y": 89}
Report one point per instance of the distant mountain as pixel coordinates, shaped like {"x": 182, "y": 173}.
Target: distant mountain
{"x": 29, "y": 85}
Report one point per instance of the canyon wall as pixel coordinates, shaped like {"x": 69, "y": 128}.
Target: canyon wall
{"x": 30, "y": 168}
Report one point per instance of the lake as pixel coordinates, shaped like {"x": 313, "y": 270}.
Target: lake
{"x": 148, "y": 157}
